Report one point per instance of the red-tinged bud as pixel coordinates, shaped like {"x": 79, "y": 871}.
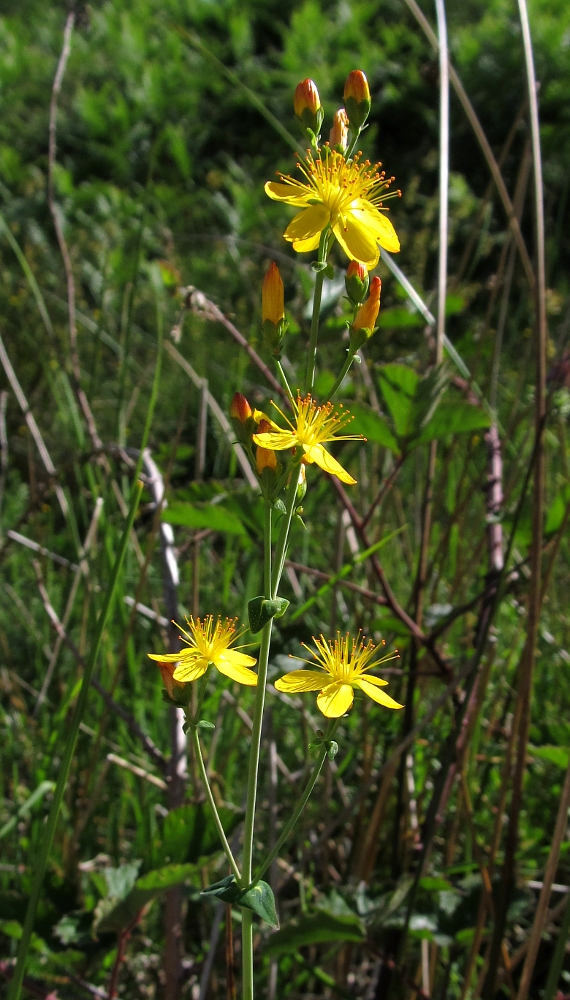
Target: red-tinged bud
{"x": 306, "y": 98}
{"x": 357, "y": 99}
{"x": 338, "y": 138}
{"x": 240, "y": 408}
{"x": 308, "y": 109}
{"x": 365, "y": 320}
{"x": 272, "y": 295}
{"x": 264, "y": 457}
{"x": 173, "y": 687}
{"x": 356, "y": 282}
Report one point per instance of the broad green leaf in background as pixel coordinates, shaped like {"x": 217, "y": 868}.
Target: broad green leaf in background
{"x": 114, "y": 913}
{"x": 411, "y": 400}
{"x": 554, "y": 755}
{"x": 454, "y": 417}
{"x": 314, "y": 928}
{"x": 556, "y": 511}
{"x": 189, "y": 833}
{"x": 213, "y": 516}
{"x": 372, "y": 426}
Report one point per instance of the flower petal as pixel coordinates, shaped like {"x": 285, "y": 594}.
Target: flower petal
{"x": 277, "y": 441}
{"x": 316, "y": 453}
{"x": 292, "y": 194}
{"x": 303, "y": 246}
{"x": 357, "y": 241}
{"x": 239, "y": 658}
{"x": 380, "y": 696}
{"x": 378, "y": 681}
{"x": 335, "y": 699}
{"x": 167, "y": 657}
{"x": 307, "y": 224}
{"x": 192, "y": 671}
{"x": 235, "y": 671}
{"x": 302, "y": 680}
{"x": 380, "y": 225}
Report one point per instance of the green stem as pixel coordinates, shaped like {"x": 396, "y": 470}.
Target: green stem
{"x": 283, "y": 378}
{"x": 64, "y": 767}
{"x": 319, "y": 281}
{"x": 247, "y": 925}
{"x": 330, "y": 731}
{"x": 281, "y": 547}
{"x": 206, "y": 783}
{"x": 345, "y": 369}
{"x": 558, "y": 958}
{"x": 352, "y": 146}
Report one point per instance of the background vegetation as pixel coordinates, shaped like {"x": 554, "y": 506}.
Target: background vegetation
{"x": 402, "y": 860}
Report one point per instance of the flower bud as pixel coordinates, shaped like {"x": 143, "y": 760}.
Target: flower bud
{"x": 365, "y": 320}
{"x": 302, "y": 483}
{"x": 272, "y": 300}
{"x": 240, "y": 408}
{"x": 241, "y": 416}
{"x": 264, "y": 457}
{"x": 273, "y": 309}
{"x": 356, "y": 282}
{"x": 338, "y": 137}
{"x": 308, "y": 109}
{"x": 173, "y": 688}
{"x": 357, "y": 99}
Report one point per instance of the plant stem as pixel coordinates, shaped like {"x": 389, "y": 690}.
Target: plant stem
{"x": 350, "y": 151}
{"x": 247, "y": 925}
{"x": 281, "y": 547}
{"x": 206, "y": 783}
{"x": 330, "y": 731}
{"x": 154, "y": 391}
{"x": 283, "y": 378}
{"x": 345, "y": 369}
{"x": 78, "y": 713}
{"x": 558, "y": 958}
{"x": 319, "y": 281}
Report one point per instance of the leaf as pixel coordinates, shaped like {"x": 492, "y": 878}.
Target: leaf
{"x": 556, "y": 511}
{"x": 212, "y": 516}
{"x": 554, "y": 755}
{"x": 261, "y": 900}
{"x": 226, "y": 889}
{"x": 398, "y": 317}
{"x": 398, "y": 384}
{"x": 372, "y": 426}
{"x": 454, "y": 418}
{"x": 261, "y": 610}
{"x": 315, "y": 928}
{"x": 43, "y": 788}
{"x": 189, "y": 833}
{"x": 112, "y": 914}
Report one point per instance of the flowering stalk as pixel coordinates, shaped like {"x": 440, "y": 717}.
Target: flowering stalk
{"x": 319, "y": 281}
{"x": 204, "y": 775}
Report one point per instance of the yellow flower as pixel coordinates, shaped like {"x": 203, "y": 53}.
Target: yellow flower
{"x": 348, "y": 195}
{"x": 264, "y": 457}
{"x": 209, "y": 642}
{"x": 344, "y": 665}
{"x": 313, "y": 426}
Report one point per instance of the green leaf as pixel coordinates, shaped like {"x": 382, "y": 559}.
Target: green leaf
{"x": 411, "y": 400}
{"x": 398, "y": 317}
{"x": 114, "y": 914}
{"x": 261, "y": 610}
{"x": 203, "y": 724}
{"x": 554, "y": 755}
{"x": 226, "y": 889}
{"x": 189, "y": 833}
{"x": 454, "y": 418}
{"x": 261, "y": 900}
{"x": 315, "y": 928}
{"x": 556, "y": 511}
{"x": 36, "y": 796}
{"x": 372, "y": 426}
{"x": 213, "y": 516}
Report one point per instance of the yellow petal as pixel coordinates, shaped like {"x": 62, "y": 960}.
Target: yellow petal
{"x": 303, "y": 246}
{"x": 335, "y": 699}
{"x": 302, "y": 680}
{"x": 187, "y": 672}
{"x": 307, "y": 224}
{"x": 292, "y": 194}
{"x": 242, "y": 659}
{"x": 375, "y": 680}
{"x": 277, "y": 441}
{"x": 380, "y": 225}
{"x": 380, "y": 696}
{"x": 166, "y": 657}
{"x": 235, "y": 671}
{"x": 323, "y": 458}
{"x": 358, "y": 242}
